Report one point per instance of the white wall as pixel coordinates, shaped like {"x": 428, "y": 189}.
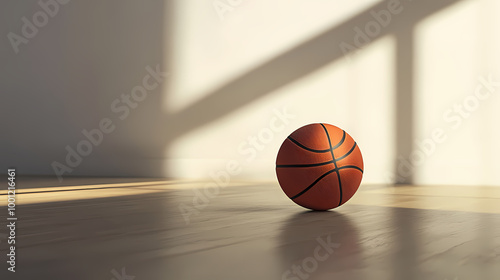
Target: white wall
{"x": 228, "y": 77}
{"x": 453, "y": 46}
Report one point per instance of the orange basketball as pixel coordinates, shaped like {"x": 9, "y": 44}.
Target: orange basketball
{"x": 319, "y": 166}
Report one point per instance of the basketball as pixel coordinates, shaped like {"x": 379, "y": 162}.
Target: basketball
{"x": 319, "y": 166}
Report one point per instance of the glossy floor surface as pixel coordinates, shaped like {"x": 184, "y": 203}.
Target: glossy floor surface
{"x": 90, "y": 229}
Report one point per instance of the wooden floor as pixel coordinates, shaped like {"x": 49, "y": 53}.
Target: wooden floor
{"x": 92, "y": 229}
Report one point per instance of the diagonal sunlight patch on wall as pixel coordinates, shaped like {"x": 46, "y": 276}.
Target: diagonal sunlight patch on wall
{"x": 209, "y": 52}
{"x": 289, "y": 67}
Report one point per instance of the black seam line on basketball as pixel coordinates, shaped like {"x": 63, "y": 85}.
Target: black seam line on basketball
{"x": 348, "y": 153}
{"x": 306, "y": 148}
{"x": 341, "y": 141}
{"x": 312, "y": 185}
{"x": 350, "y": 167}
{"x": 333, "y": 158}
{"x": 304, "y": 165}
{"x": 322, "y": 176}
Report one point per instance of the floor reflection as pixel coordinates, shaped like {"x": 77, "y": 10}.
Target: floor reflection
{"x": 320, "y": 245}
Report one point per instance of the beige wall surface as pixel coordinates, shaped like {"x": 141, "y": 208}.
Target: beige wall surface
{"x": 192, "y": 89}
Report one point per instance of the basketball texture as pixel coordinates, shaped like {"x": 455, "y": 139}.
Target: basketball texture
{"x": 319, "y": 166}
